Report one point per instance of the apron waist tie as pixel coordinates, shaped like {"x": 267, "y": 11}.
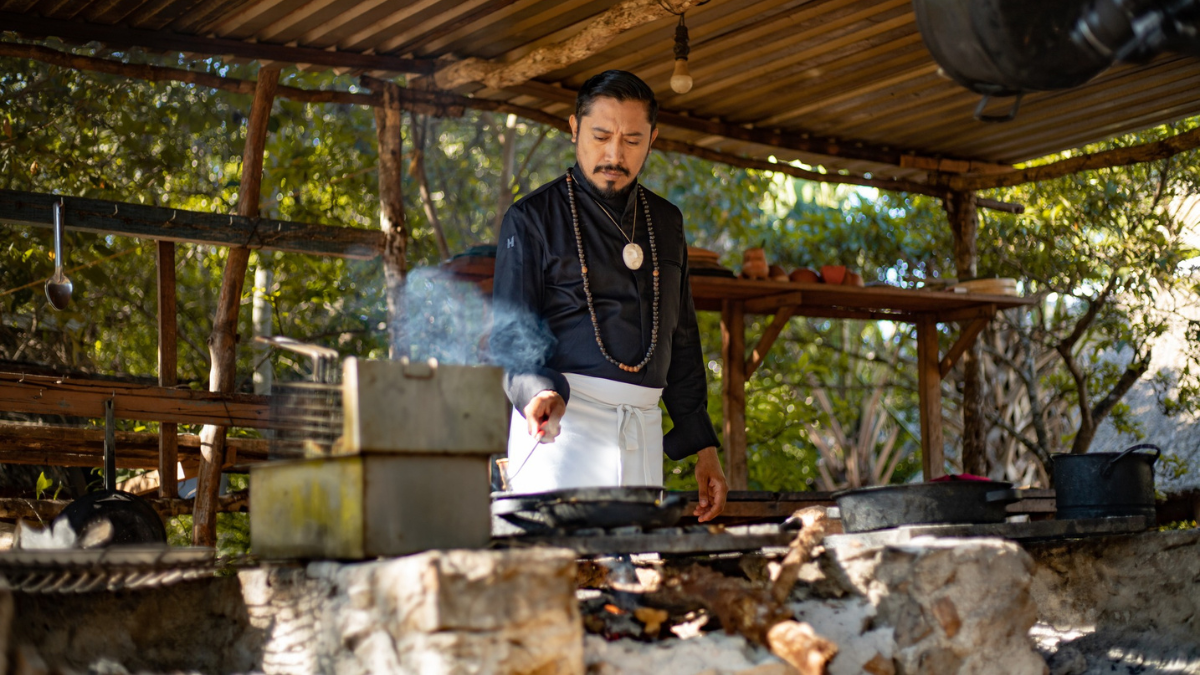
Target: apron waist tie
{"x": 627, "y": 412}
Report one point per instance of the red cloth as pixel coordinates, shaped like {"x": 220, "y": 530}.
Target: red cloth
{"x": 960, "y": 476}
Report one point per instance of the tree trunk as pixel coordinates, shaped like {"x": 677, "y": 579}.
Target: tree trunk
{"x": 264, "y": 373}
{"x": 421, "y": 141}
{"x": 504, "y": 193}
{"x": 391, "y": 214}
{"x": 222, "y": 344}
{"x": 964, "y": 223}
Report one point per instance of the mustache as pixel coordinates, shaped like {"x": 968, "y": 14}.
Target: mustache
{"x": 610, "y": 167}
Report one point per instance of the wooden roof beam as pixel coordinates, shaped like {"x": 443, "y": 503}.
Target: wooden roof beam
{"x": 1136, "y": 154}
{"x": 594, "y": 37}
{"x": 787, "y": 140}
{"x": 166, "y": 41}
{"x": 167, "y": 224}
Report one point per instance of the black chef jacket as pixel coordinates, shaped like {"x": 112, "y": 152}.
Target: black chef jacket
{"x": 539, "y": 287}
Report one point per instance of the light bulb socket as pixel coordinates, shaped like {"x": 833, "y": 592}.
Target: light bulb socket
{"x": 681, "y": 41}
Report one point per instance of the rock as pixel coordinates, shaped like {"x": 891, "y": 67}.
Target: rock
{"x": 799, "y": 645}
{"x": 1143, "y": 582}
{"x": 954, "y": 605}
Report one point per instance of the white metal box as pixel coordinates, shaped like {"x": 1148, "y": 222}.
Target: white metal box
{"x": 426, "y": 407}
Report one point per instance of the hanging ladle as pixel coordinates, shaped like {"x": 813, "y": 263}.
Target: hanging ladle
{"x": 58, "y": 287}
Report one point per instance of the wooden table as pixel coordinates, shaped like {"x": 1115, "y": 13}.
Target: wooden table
{"x": 734, "y": 298}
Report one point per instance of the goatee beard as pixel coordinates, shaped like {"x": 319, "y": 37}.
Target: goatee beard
{"x": 609, "y": 192}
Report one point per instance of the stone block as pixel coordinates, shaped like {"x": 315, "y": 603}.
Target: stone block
{"x": 478, "y": 590}
{"x": 954, "y": 605}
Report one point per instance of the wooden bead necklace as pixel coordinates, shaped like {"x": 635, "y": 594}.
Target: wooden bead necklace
{"x": 587, "y": 289}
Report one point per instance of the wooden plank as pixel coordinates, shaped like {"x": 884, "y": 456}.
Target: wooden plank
{"x": 222, "y": 343}
{"x": 84, "y": 446}
{"x": 929, "y": 388}
{"x": 43, "y": 395}
{"x": 848, "y": 297}
{"x": 983, "y": 311}
{"x": 154, "y": 222}
{"x": 768, "y": 338}
{"x": 960, "y": 345}
{"x": 775, "y": 303}
{"x": 164, "y": 40}
{"x": 733, "y": 392}
{"x": 168, "y": 356}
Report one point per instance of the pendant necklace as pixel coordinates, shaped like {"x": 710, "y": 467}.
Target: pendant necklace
{"x": 632, "y": 253}
{"x": 587, "y": 289}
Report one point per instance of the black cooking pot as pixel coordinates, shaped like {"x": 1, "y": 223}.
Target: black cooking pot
{"x": 946, "y": 502}
{"x": 1105, "y": 484}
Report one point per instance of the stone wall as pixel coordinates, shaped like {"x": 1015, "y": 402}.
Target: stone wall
{"x": 440, "y": 612}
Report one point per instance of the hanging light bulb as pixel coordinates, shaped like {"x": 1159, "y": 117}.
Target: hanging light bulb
{"x": 681, "y": 78}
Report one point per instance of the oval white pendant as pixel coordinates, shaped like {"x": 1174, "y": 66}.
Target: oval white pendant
{"x": 632, "y": 253}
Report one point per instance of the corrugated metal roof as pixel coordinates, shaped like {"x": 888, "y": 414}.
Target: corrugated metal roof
{"x": 854, "y": 70}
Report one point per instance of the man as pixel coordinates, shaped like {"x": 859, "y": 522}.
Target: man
{"x": 601, "y": 263}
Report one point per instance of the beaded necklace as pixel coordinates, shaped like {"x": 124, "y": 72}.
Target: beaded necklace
{"x": 587, "y": 289}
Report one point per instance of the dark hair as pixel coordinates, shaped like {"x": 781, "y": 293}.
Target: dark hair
{"x": 618, "y": 84}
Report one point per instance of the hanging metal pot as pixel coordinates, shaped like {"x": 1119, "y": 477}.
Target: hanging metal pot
{"x": 1106, "y": 484}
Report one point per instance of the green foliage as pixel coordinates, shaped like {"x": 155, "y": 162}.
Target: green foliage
{"x": 178, "y": 145}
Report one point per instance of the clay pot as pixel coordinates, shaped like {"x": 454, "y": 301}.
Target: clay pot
{"x": 833, "y": 274}
{"x": 754, "y": 264}
{"x": 852, "y": 279}
{"x": 777, "y": 273}
{"x": 804, "y": 275}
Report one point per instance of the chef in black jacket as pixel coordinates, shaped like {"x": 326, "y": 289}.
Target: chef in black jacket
{"x": 598, "y": 264}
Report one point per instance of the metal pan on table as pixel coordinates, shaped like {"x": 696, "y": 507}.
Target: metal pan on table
{"x": 936, "y": 503}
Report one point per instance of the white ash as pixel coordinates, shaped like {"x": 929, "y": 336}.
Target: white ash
{"x": 711, "y": 654}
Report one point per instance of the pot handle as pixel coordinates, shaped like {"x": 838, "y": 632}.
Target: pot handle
{"x": 1004, "y": 496}
{"x": 1108, "y": 468}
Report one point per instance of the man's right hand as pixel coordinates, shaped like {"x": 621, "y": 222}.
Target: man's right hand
{"x": 543, "y": 413}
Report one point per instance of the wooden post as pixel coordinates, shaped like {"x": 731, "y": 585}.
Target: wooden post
{"x": 733, "y": 391}
{"x": 964, "y": 224}
{"x": 929, "y": 389}
{"x": 168, "y": 438}
{"x": 222, "y": 344}
{"x": 391, "y": 213}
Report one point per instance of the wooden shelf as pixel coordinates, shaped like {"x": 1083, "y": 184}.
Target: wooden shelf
{"x": 881, "y": 302}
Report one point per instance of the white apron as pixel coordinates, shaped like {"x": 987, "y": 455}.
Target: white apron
{"x": 611, "y": 435}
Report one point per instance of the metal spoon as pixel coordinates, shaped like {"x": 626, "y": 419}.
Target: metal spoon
{"x": 58, "y": 287}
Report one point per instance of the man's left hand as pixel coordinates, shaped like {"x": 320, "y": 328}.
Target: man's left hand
{"x": 711, "y": 481}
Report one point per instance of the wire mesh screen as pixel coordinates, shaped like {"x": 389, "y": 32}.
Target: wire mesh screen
{"x": 309, "y": 415}
{"x": 307, "y": 412}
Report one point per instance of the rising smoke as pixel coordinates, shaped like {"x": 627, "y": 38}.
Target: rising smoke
{"x": 451, "y": 320}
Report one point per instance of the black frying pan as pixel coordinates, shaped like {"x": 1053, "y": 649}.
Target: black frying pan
{"x": 602, "y": 507}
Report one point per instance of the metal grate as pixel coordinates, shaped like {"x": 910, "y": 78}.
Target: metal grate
{"x": 308, "y": 413}
{"x": 112, "y": 569}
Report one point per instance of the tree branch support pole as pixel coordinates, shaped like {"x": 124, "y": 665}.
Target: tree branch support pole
{"x": 929, "y": 385}
{"x": 733, "y": 391}
{"x": 168, "y": 353}
{"x": 222, "y": 344}
{"x": 391, "y": 213}
{"x": 964, "y": 224}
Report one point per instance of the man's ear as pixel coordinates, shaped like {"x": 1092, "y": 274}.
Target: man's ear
{"x": 653, "y": 135}
{"x": 574, "y": 129}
